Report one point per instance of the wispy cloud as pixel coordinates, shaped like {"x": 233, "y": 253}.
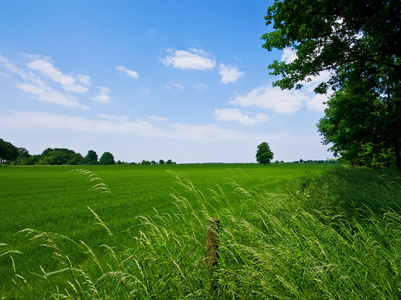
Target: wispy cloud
{"x": 103, "y": 95}
{"x": 43, "y": 89}
{"x": 84, "y": 79}
{"x": 174, "y": 84}
{"x": 156, "y": 118}
{"x": 229, "y": 73}
{"x": 47, "y": 94}
{"x": 68, "y": 82}
{"x": 116, "y": 118}
{"x": 202, "y": 86}
{"x": 40, "y": 120}
{"x": 280, "y": 101}
{"x": 194, "y": 59}
{"x": 130, "y": 73}
{"x": 177, "y": 138}
{"x": 233, "y": 114}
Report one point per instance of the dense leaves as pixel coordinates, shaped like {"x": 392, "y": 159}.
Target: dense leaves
{"x": 359, "y": 42}
{"x": 264, "y": 155}
{"x": 61, "y": 156}
{"x": 91, "y": 158}
{"x": 107, "y": 159}
{"x": 356, "y": 125}
{"x": 7, "y": 151}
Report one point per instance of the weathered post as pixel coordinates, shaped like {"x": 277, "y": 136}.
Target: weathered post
{"x": 211, "y": 242}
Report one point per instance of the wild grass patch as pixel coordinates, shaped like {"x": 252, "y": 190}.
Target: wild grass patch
{"x": 329, "y": 236}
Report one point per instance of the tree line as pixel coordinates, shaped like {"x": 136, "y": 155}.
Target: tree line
{"x": 13, "y": 155}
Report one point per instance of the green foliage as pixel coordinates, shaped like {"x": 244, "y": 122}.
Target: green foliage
{"x": 60, "y": 156}
{"x": 357, "y": 126}
{"x": 8, "y": 151}
{"x": 328, "y": 35}
{"x": 360, "y": 43}
{"x": 91, "y": 158}
{"x": 107, "y": 159}
{"x": 264, "y": 155}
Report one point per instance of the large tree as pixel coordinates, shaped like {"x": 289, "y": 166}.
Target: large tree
{"x": 8, "y": 151}
{"x": 356, "y": 126}
{"x": 264, "y": 155}
{"x": 359, "y": 42}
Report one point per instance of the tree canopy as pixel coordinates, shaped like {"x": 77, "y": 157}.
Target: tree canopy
{"x": 60, "y": 156}
{"x": 359, "y": 42}
{"x": 264, "y": 155}
{"x": 91, "y": 158}
{"x": 107, "y": 159}
{"x": 7, "y": 151}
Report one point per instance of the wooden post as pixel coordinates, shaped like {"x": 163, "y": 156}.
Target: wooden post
{"x": 211, "y": 242}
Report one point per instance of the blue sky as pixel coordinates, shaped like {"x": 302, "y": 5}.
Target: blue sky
{"x": 181, "y": 80}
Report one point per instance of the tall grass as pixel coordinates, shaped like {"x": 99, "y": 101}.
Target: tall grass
{"x": 330, "y": 236}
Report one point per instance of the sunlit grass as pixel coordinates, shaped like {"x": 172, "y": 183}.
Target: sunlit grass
{"x": 332, "y": 235}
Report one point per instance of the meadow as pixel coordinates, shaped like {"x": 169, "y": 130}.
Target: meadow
{"x": 116, "y": 232}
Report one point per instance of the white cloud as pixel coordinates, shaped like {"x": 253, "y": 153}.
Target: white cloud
{"x": 180, "y": 142}
{"x": 317, "y": 102}
{"x": 236, "y": 115}
{"x": 84, "y": 79}
{"x": 202, "y": 86}
{"x": 174, "y": 84}
{"x": 130, "y": 73}
{"x": 111, "y": 117}
{"x": 157, "y": 119}
{"x": 103, "y": 95}
{"x": 108, "y": 124}
{"x": 10, "y": 65}
{"x": 193, "y": 59}
{"x": 47, "y": 94}
{"x": 229, "y": 73}
{"x": 67, "y": 82}
{"x": 288, "y": 55}
{"x": 280, "y": 101}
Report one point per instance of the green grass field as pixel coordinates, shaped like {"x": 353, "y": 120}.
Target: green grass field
{"x": 288, "y": 231}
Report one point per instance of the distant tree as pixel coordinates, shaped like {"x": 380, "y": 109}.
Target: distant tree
{"x": 161, "y": 162}
{"x": 46, "y": 151}
{"x": 60, "y": 156}
{"x": 145, "y": 162}
{"x": 119, "y": 162}
{"x": 23, "y": 156}
{"x": 264, "y": 155}
{"x": 153, "y": 162}
{"x": 107, "y": 159}
{"x": 8, "y": 151}
{"x": 34, "y": 159}
{"x": 91, "y": 158}
{"x": 75, "y": 159}
{"x": 169, "y": 162}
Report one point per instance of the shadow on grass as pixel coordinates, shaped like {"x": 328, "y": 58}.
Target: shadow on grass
{"x": 348, "y": 194}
